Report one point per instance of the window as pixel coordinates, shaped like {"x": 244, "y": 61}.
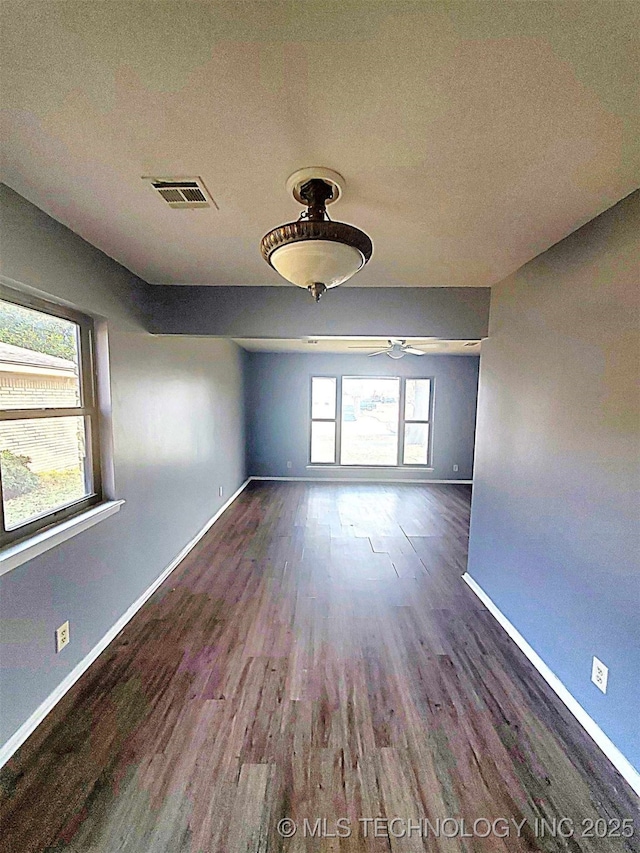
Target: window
{"x": 323, "y": 419}
{"x": 417, "y": 406}
{"x": 370, "y": 410}
{"x": 49, "y": 453}
{"x": 370, "y": 421}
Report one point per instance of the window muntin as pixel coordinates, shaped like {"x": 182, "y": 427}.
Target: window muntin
{"x": 371, "y": 421}
{"x": 49, "y": 452}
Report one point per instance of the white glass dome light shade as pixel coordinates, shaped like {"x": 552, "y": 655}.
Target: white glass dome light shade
{"x": 316, "y": 253}
{"x": 307, "y": 262}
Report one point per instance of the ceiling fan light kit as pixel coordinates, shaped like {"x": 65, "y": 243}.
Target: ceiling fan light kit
{"x": 315, "y": 252}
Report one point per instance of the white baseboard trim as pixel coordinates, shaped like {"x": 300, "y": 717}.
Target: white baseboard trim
{"x": 18, "y": 738}
{"x": 622, "y": 764}
{"x": 364, "y": 480}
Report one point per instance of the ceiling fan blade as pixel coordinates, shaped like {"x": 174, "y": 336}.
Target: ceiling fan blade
{"x": 414, "y": 351}
{"x": 364, "y": 347}
{"x": 380, "y": 352}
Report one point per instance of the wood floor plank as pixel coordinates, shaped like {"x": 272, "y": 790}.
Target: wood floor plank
{"x": 316, "y": 657}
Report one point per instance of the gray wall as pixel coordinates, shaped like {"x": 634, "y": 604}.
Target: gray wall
{"x": 178, "y": 433}
{"x": 290, "y": 312}
{"x": 555, "y": 516}
{"x": 277, "y": 405}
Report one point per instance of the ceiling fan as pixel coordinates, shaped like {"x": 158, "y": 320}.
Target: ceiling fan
{"x": 396, "y": 349}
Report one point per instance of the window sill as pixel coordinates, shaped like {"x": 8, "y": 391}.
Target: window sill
{"x": 21, "y": 552}
{"x": 332, "y": 467}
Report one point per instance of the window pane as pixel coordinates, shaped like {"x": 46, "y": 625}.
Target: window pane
{"x": 323, "y": 441}
{"x": 323, "y": 397}
{"x": 416, "y": 406}
{"x": 38, "y": 360}
{"x": 370, "y": 411}
{"x": 44, "y": 466}
{"x": 416, "y": 444}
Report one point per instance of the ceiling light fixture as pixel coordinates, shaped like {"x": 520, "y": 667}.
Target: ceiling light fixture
{"x": 314, "y": 252}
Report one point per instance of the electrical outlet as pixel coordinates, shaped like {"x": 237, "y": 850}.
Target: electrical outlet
{"x": 62, "y": 637}
{"x": 599, "y": 674}
{"x": 220, "y": 491}
{"x": 455, "y": 467}
{"x": 289, "y": 464}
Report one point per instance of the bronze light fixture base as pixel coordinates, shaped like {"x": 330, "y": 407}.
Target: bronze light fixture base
{"x": 316, "y": 290}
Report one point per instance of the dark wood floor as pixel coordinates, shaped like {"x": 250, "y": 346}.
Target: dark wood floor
{"x": 317, "y": 656}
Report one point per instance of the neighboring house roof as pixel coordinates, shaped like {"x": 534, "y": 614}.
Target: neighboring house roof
{"x": 11, "y": 355}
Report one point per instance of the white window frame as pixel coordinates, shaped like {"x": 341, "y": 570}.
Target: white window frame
{"x": 88, "y": 409}
{"x": 402, "y": 421}
{"x": 336, "y": 420}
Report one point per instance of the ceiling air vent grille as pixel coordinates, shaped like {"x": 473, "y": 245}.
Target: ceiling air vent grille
{"x": 170, "y": 195}
{"x": 182, "y": 192}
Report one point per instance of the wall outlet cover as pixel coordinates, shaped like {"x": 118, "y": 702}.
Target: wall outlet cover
{"x": 599, "y": 674}
{"x": 62, "y": 636}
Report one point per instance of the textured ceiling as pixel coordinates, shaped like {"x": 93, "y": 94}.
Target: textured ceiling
{"x": 472, "y": 136}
